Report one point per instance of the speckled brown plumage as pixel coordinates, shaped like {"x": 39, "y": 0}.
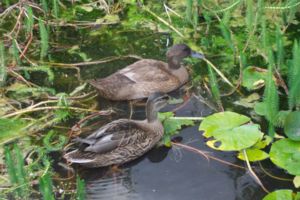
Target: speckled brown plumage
{"x": 122, "y": 140}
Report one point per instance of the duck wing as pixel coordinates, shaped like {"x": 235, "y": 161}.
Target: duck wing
{"x": 109, "y": 137}
{"x": 146, "y": 70}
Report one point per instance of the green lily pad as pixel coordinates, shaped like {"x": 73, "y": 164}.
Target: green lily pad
{"x": 285, "y": 153}
{"x": 292, "y": 126}
{"x": 254, "y": 155}
{"x": 229, "y": 133}
{"x": 280, "y": 195}
{"x": 253, "y": 77}
{"x": 236, "y": 139}
{"x": 222, "y": 121}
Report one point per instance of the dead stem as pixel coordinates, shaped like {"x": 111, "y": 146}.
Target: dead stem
{"x": 253, "y": 173}
{"x": 26, "y": 110}
{"x": 105, "y": 60}
{"x": 273, "y": 176}
{"x": 207, "y": 156}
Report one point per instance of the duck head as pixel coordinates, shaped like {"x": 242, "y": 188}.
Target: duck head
{"x": 155, "y": 102}
{"x": 178, "y": 52}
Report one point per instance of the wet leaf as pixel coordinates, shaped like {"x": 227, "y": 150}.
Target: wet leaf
{"x": 222, "y": 121}
{"x": 253, "y": 77}
{"x": 260, "y": 108}
{"x": 292, "y": 126}
{"x": 285, "y": 153}
{"x": 280, "y": 195}
{"x": 253, "y": 155}
{"x": 229, "y": 133}
{"x": 236, "y": 139}
{"x": 172, "y": 126}
{"x": 248, "y": 101}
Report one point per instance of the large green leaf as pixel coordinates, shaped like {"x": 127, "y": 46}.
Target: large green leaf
{"x": 221, "y": 121}
{"x": 292, "y": 126}
{"x": 230, "y": 131}
{"x": 280, "y": 195}
{"x": 236, "y": 139}
{"x": 285, "y": 153}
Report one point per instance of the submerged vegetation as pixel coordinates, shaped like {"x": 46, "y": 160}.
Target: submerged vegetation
{"x": 47, "y": 48}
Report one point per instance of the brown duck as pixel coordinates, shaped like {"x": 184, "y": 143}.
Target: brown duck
{"x": 122, "y": 140}
{"x": 147, "y": 76}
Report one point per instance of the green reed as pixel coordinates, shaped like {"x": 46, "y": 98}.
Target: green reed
{"x": 15, "y": 52}
{"x": 18, "y": 177}
{"x": 29, "y": 20}
{"x": 55, "y": 8}
{"x": 3, "y": 71}
{"x": 294, "y": 80}
{"x": 271, "y": 98}
{"x": 214, "y": 87}
{"x": 46, "y": 187}
{"x": 80, "y": 189}
{"x": 44, "y": 39}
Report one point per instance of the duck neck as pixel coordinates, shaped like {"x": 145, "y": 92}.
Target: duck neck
{"x": 174, "y": 63}
{"x": 151, "y": 112}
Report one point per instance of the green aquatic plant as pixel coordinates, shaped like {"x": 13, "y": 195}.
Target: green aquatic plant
{"x": 80, "y": 189}
{"x": 44, "y": 35}
{"x": 55, "y": 8}
{"x": 3, "y": 72}
{"x": 54, "y": 141}
{"x": 44, "y": 5}
{"x": 294, "y": 81}
{"x": 15, "y": 165}
{"x": 249, "y": 15}
{"x": 15, "y": 52}
{"x": 269, "y": 107}
{"x": 279, "y": 48}
{"x": 11, "y": 129}
{"x": 29, "y": 20}
{"x": 172, "y": 125}
{"x": 230, "y": 131}
{"x": 282, "y": 195}
{"x": 46, "y": 186}
{"x": 214, "y": 87}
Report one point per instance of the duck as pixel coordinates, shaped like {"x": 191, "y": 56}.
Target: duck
{"x": 122, "y": 140}
{"x": 146, "y": 76}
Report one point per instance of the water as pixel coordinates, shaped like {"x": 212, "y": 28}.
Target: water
{"x": 174, "y": 173}
{"x": 163, "y": 173}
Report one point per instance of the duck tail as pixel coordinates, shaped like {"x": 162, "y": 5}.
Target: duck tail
{"x": 77, "y": 156}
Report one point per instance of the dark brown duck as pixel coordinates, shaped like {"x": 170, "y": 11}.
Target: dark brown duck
{"x": 147, "y": 76}
{"x": 122, "y": 140}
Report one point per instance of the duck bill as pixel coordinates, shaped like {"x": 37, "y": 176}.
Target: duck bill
{"x": 197, "y": 55}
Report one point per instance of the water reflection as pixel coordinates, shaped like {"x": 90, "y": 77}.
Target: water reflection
{"x": 106, "y": 184}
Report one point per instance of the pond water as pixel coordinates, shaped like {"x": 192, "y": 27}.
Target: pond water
{"x": 175, "y": 173}
{"x": 163, "y": 173}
